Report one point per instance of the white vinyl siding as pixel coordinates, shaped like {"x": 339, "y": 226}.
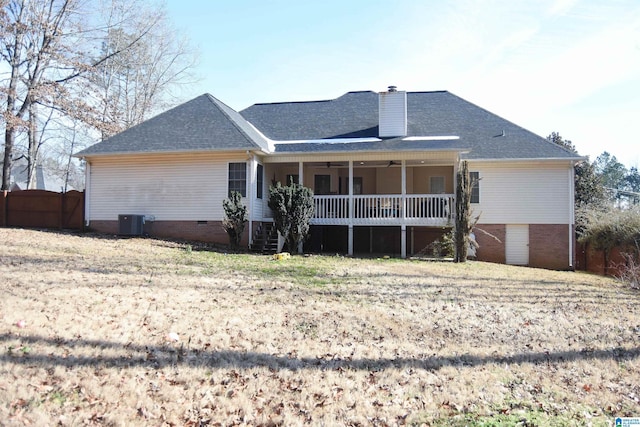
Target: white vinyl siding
{"x": 524, "y": 193}
{"x": 171, "y": 188}
{"x": 517, "y": 244}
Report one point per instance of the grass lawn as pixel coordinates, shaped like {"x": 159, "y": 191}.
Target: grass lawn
{"x": 105, "y": 331}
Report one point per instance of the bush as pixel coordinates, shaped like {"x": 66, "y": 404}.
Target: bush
{"x": 444, "y": 247}
{"x": 608, "y": 228}
{"x": 292, "y": 208}
{"x": 235, "y": 218}
{"x": 629, "y": 272}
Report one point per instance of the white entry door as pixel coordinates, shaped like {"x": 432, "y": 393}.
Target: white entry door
{"x": 517, "y": 244}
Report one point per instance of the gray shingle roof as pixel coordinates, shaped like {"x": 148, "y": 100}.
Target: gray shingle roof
{"x": 204, "y": 123}
{"x": 355, "y": 114}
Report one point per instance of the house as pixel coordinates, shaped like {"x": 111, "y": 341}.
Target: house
{"x": 382, "y": 166}
{"x": 42, "y": 179}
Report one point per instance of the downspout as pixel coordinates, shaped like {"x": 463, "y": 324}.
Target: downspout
{"x": 250, "y": 195}
{"x": 87, "y": 192}
{"x": 571, "y": 211}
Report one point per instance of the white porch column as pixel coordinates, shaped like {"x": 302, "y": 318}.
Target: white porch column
{"x": 403, "y": 190}
{"x": 403, "y": 227}
{"x": 350, "y": 249}
{"x": 300, "y": 174}
{"x": 456, "y": 168}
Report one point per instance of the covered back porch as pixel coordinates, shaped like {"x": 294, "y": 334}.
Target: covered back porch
{"x": 394, "y": 191}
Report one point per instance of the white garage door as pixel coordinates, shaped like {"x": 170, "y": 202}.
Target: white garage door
{"x": 517, "y": 245}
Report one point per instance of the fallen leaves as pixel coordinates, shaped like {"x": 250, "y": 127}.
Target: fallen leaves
{"x": 396, "y": 343}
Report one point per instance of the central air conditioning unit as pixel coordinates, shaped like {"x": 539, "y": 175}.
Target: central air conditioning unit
{"x": 130, "y": 225}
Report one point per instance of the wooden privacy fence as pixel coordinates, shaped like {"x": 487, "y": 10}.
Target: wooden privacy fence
{"x": 42, "y": 209}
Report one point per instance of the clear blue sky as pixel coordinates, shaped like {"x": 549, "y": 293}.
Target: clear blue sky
{"x": 568, "y": 66}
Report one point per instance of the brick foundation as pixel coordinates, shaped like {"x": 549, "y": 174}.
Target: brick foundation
{"x": 549, "y": 246}
{"x": 548, "y": 243}
{"x": 209, "y": 231}
{"x": 422, "y": 237}
{"x": 491, "y": 250}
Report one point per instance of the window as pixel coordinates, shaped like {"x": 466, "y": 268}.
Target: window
{"x": 322, "y": 184}
{"x": 357, "y": 185}
{"x": 436, "y": 184}
{"x": 259, "y": 181}
{"x": 475, "y": 186}
{"x": 238, "y": 178}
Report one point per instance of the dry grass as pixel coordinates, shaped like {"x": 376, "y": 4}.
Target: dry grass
{"x": 310, "y": 340}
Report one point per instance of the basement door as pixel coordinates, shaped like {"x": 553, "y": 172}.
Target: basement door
{"x": 517, "y": 244}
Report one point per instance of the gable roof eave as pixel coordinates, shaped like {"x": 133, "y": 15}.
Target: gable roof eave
{"x": 202, "y": 123}
{"x": 251, "y": 133}
{"x": 81, "y": 155}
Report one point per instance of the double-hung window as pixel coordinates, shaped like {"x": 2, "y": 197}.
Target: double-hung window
{"x": 259, "y": 180}
{"x": 475, "y": 186}
{"x": 238, "y": 178}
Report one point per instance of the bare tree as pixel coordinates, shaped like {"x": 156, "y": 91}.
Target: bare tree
{"x": 65, "y": 138}
{"x": 46, "y": 46}
{"x": 31, "y": 42}
{"x": 131, "y": 86}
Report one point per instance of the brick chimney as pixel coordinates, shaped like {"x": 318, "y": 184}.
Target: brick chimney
{"x": 392, "y": 113}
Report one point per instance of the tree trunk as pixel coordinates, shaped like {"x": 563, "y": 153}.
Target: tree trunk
{"x": 463, "y": 213}
{"x": 32, "y": 151}
{"x": 7, "y": 162}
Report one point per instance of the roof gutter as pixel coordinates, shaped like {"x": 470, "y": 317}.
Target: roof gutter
{"x": 356, "y": 153}
{"x": 81, "y": 155}
{"x": 574, "y": 160}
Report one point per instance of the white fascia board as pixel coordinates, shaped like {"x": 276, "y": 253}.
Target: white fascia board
{"x": 329, "y": 141}
{"x": 272, "y": 144}
{"x": 432, "y": 138}
{"x": 358, "y": 154}
{"x": 531, "y": 159}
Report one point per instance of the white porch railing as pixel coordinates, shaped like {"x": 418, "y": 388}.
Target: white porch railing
{"x": 372, "y": 209}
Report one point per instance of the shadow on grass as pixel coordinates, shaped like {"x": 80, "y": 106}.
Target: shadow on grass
{"x": 175, "y": 354}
